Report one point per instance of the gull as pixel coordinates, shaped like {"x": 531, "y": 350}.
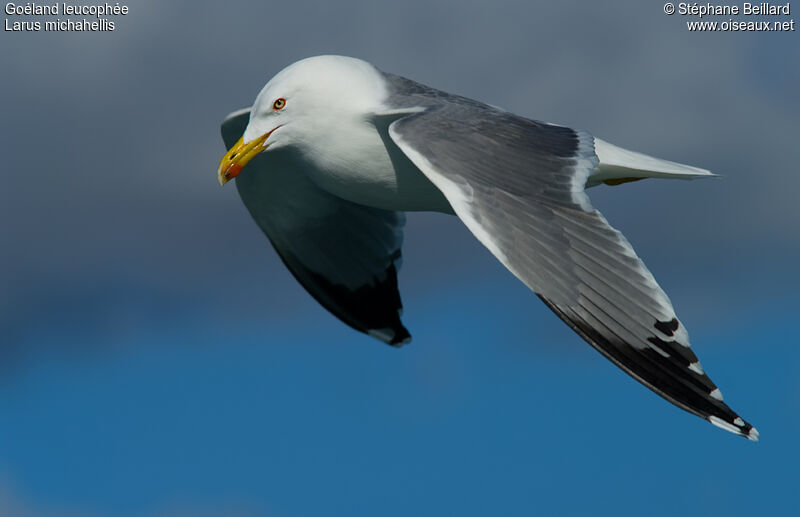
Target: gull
{"x": 338, "y": 150}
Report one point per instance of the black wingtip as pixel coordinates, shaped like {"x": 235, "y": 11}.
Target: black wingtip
{"x": 736, "y": 426}
{"x": 677, "y": 378}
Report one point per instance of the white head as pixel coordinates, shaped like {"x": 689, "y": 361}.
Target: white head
{"x": 303, "y": 105}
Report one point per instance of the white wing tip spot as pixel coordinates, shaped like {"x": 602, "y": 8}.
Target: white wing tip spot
{"x": 387, "y": 335}
{"x": 722, "y": 424}
{"x": 696, "y": 368}
{"x": 716, "y": 394}
{"x": 751, "y": 435}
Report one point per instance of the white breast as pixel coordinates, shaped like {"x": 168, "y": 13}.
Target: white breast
{"x": 357, "y": 164}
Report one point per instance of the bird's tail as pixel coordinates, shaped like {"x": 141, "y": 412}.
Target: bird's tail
{"x": 619, "y": 165}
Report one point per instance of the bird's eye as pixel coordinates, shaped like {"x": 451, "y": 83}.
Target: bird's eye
{"x": 279, "y": 104}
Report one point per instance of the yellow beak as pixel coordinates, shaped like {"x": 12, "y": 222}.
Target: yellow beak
{"x": 238, "y": 156}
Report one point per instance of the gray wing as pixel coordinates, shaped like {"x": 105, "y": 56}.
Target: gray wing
{"x": 346, "y": 255}
{"x": 519, "y": 187}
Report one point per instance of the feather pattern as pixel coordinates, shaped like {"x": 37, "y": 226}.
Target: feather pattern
{"x": 518, "y": 184}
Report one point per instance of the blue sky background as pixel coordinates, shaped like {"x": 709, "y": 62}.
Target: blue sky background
{"x": 157, "y": 359}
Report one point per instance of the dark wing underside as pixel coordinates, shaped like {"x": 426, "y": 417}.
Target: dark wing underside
{"x": 346, "y": 255}
{"x": 518, "y": 185}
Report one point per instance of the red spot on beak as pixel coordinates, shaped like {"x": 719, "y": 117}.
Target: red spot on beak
{"x": 233, "y": 170}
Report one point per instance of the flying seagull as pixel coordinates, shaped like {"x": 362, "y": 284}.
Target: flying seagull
{"x": 338, "y": 150}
